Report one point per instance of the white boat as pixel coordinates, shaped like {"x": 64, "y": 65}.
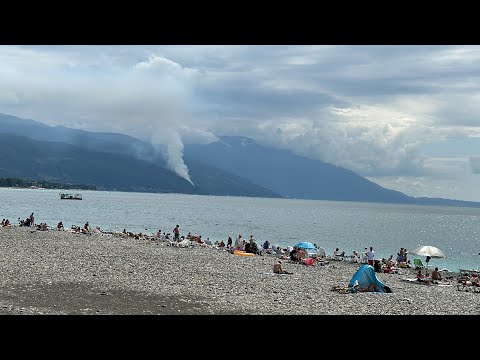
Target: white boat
{"x": 68, "y": 196}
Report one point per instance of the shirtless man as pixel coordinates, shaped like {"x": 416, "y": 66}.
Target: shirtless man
{"x": 436, "y": 275}
{"x": 277, "y": 268}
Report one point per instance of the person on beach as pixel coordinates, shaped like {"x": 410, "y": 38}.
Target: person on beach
{"x": 362, "y": 287}
{"x": 436, "y": 276}
{"x": 366, "y": 288}
{"x": 31, "y": 218}
{"x": 176, "y": 232}
{"x": 239, "y": 243}
{"x": 301, "y": 254}
{"x": 253, "y": 247}
{"x": 390, "y": 261}
{"x": 370, "y": 256}
{"x": 473, "y": 281}
{"x": 293, "y": 254}
{"x": 281, "y": 253}
{"x": 277, "y": 268}
{"x": 42, "y": 227}
{"x": 60, "y": 226}
{"x": 423, "y": 278}
{"x": 229, "y": 242}
{"x": 266, "y": 247}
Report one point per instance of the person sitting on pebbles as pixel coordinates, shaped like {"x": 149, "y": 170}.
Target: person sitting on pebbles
{"x": 473, "y": 281}
{"x": 423, "y": 278}
{"x": 436, "y": 276}
{"x": 277, "y": 268}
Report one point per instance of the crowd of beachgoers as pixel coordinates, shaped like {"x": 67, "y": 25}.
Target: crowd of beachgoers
{"x": 170, "y": 273}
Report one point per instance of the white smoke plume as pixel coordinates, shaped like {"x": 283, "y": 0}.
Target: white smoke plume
{"x": 149, "y": 98}
{"x": 172, "y": 151}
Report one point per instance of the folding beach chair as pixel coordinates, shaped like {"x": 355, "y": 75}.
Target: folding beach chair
{"x": 418, "y": 264}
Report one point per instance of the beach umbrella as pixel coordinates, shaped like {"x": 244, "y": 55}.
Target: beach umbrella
{"x": 428, "y": 251}
{"x": 305, "y": 245}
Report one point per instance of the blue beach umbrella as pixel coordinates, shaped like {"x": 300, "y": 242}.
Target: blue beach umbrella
{"x": 305, "y": 245}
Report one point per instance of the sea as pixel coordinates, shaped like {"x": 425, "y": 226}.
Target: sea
{"x": 285, "y": 222}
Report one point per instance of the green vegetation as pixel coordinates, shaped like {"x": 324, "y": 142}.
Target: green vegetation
{"x": 21, "y": 183}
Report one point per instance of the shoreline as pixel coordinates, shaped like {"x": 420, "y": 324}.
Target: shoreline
{"x": 59, "y": 272}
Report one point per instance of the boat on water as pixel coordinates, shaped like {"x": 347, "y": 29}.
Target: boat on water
{"x": 68, "y": 196}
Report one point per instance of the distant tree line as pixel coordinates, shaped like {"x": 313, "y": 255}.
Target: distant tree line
{"x": 23, "y": 183}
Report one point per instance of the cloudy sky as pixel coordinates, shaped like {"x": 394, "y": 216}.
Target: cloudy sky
{"x": 405, "y": 117}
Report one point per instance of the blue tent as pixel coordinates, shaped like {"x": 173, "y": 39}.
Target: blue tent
{"x": 305, "y": 245}
{"x": 366, "y": 276}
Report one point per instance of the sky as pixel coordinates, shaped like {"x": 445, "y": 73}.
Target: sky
{"x": 405, "y": 117}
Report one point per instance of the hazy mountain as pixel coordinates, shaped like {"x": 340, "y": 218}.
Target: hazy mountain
{"x": 109, "y": 161}
{"x": 104, "y": 142}
{"x": 61, "y": 162}
{"x": 294, "y": 176}
{"x": 235, "y": 166}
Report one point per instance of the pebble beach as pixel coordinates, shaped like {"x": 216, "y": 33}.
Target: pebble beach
{"x": 60, "y": 272}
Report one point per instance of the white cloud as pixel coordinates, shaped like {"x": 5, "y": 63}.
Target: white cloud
{"x": 372, "y": 109}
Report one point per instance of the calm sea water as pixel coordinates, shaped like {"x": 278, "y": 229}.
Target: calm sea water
{"x": 330, "y": 224}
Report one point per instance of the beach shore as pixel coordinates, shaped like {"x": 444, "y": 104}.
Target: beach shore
{"x": 59, "y": 272}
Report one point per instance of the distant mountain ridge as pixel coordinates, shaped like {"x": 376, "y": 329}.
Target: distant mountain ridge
{"x": 294, "y": 176}
{"x": 291, "y": 175}
{"x": 235, "y": 166}
{"x": 109, "y": 161}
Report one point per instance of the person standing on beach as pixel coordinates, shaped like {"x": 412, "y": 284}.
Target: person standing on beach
{"x": 32, "y": 222}
{"x": 239, "y": 243}
{"x": 370, "y": 256}
{"x": 176, "y": 231}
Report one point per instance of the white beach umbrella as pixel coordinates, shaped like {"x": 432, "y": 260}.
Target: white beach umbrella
{"x": 428, "y": 251}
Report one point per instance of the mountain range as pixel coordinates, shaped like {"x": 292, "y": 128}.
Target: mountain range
{"x": 235, "y": 166}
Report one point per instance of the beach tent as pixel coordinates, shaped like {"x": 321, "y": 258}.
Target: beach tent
{"x": 366, "y": 276}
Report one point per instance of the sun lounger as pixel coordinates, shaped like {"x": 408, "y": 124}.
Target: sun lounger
{"x": 469, "y": 288}
{"x": 468, "y": 272}
{"x": 418, "y": 264}
{"x": 415, "y": 281}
